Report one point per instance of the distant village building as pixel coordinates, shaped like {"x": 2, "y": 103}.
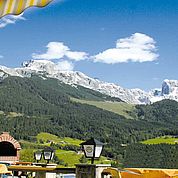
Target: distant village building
{"x": 9, "y": 148}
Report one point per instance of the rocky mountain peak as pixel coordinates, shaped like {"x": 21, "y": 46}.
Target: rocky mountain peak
{"x": 40, "y": 66}
{"x": 169, "y": 88}
{"x": 165, "y": 87}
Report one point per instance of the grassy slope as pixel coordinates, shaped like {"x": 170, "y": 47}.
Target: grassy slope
{"x": 165, "y": 139}
{"x": 120, "y": 108}
{"x": 70, "y": 158}
{"x": 63, "y": 141}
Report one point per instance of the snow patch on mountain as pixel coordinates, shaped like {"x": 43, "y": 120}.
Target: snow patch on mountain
{"x": 169, "y": 88}
{"x": 9, "y": 71}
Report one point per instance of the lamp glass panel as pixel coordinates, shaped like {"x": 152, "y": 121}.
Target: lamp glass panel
{"x": 98, "y": 150}
{"x": 47, "y": 155}
{"x": 52, "y": 155}
{"x": 38, "y": 156}
{"x": 89, "y": 150}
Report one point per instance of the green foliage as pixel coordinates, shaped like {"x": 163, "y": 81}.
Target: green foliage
{"x": 32, "y": 106}
{"x": 151, "y": 156}
{"x": 164, "y": 111}
{"x": 44, "y": 137}
{"x": 69, "y": 157}
{"x": 83, "y": 159}
{"x": 27, "y": 155}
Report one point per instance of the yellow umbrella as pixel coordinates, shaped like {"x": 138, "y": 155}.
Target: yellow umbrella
{"x": 4, "y": 170}
{"x": 15, "y": 7}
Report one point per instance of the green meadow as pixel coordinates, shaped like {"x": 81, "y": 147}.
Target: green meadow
{"x": 159, "y": 140}
{"x": 48, "y": 138}
{"x": 120, "y": 108}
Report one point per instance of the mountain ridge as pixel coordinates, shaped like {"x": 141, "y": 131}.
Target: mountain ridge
{"x": 49, "y": 69}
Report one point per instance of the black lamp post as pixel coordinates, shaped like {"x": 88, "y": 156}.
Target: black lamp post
{"x": 47, "y": 153}
{"x": 92, "y": 149}
{"x": 38, "y": 155}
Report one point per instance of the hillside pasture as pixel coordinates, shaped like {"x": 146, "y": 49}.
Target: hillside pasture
{"x": 159, "y": 140}
{"x": 47, "y": 137}
{"x": 120, "y": 108}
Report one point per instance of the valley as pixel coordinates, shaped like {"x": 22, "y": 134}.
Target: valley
{"x": 49, "y": 109}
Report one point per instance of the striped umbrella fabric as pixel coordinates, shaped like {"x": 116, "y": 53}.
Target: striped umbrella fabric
{"x": 15, "y": 7}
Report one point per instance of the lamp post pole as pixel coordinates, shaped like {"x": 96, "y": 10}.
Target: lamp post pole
{"x": 93, "y": 158}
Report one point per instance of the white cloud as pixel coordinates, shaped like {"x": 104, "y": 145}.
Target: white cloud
{"x": 65, "y": 66}
{"x": 77, "y": 56}
{"x": 11, "y": 19}
{"x": 57, "y": 50}
{"x": 136, "y": 48}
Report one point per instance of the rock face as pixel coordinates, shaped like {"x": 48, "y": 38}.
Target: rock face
{"x": 170, "y": 87}
{"x": 166, "y": 88}
{"x": 134, "y": 96}
{"x": 169, "y": 90}
{"x": 3, "y": 75}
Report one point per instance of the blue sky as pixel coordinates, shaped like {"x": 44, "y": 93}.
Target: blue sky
{"x": 133, "y": 43}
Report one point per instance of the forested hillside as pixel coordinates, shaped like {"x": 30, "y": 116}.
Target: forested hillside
{"x": 45, "y": 106}
{"x": 164, "y": 111}
{"x": 151, "y": 156}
